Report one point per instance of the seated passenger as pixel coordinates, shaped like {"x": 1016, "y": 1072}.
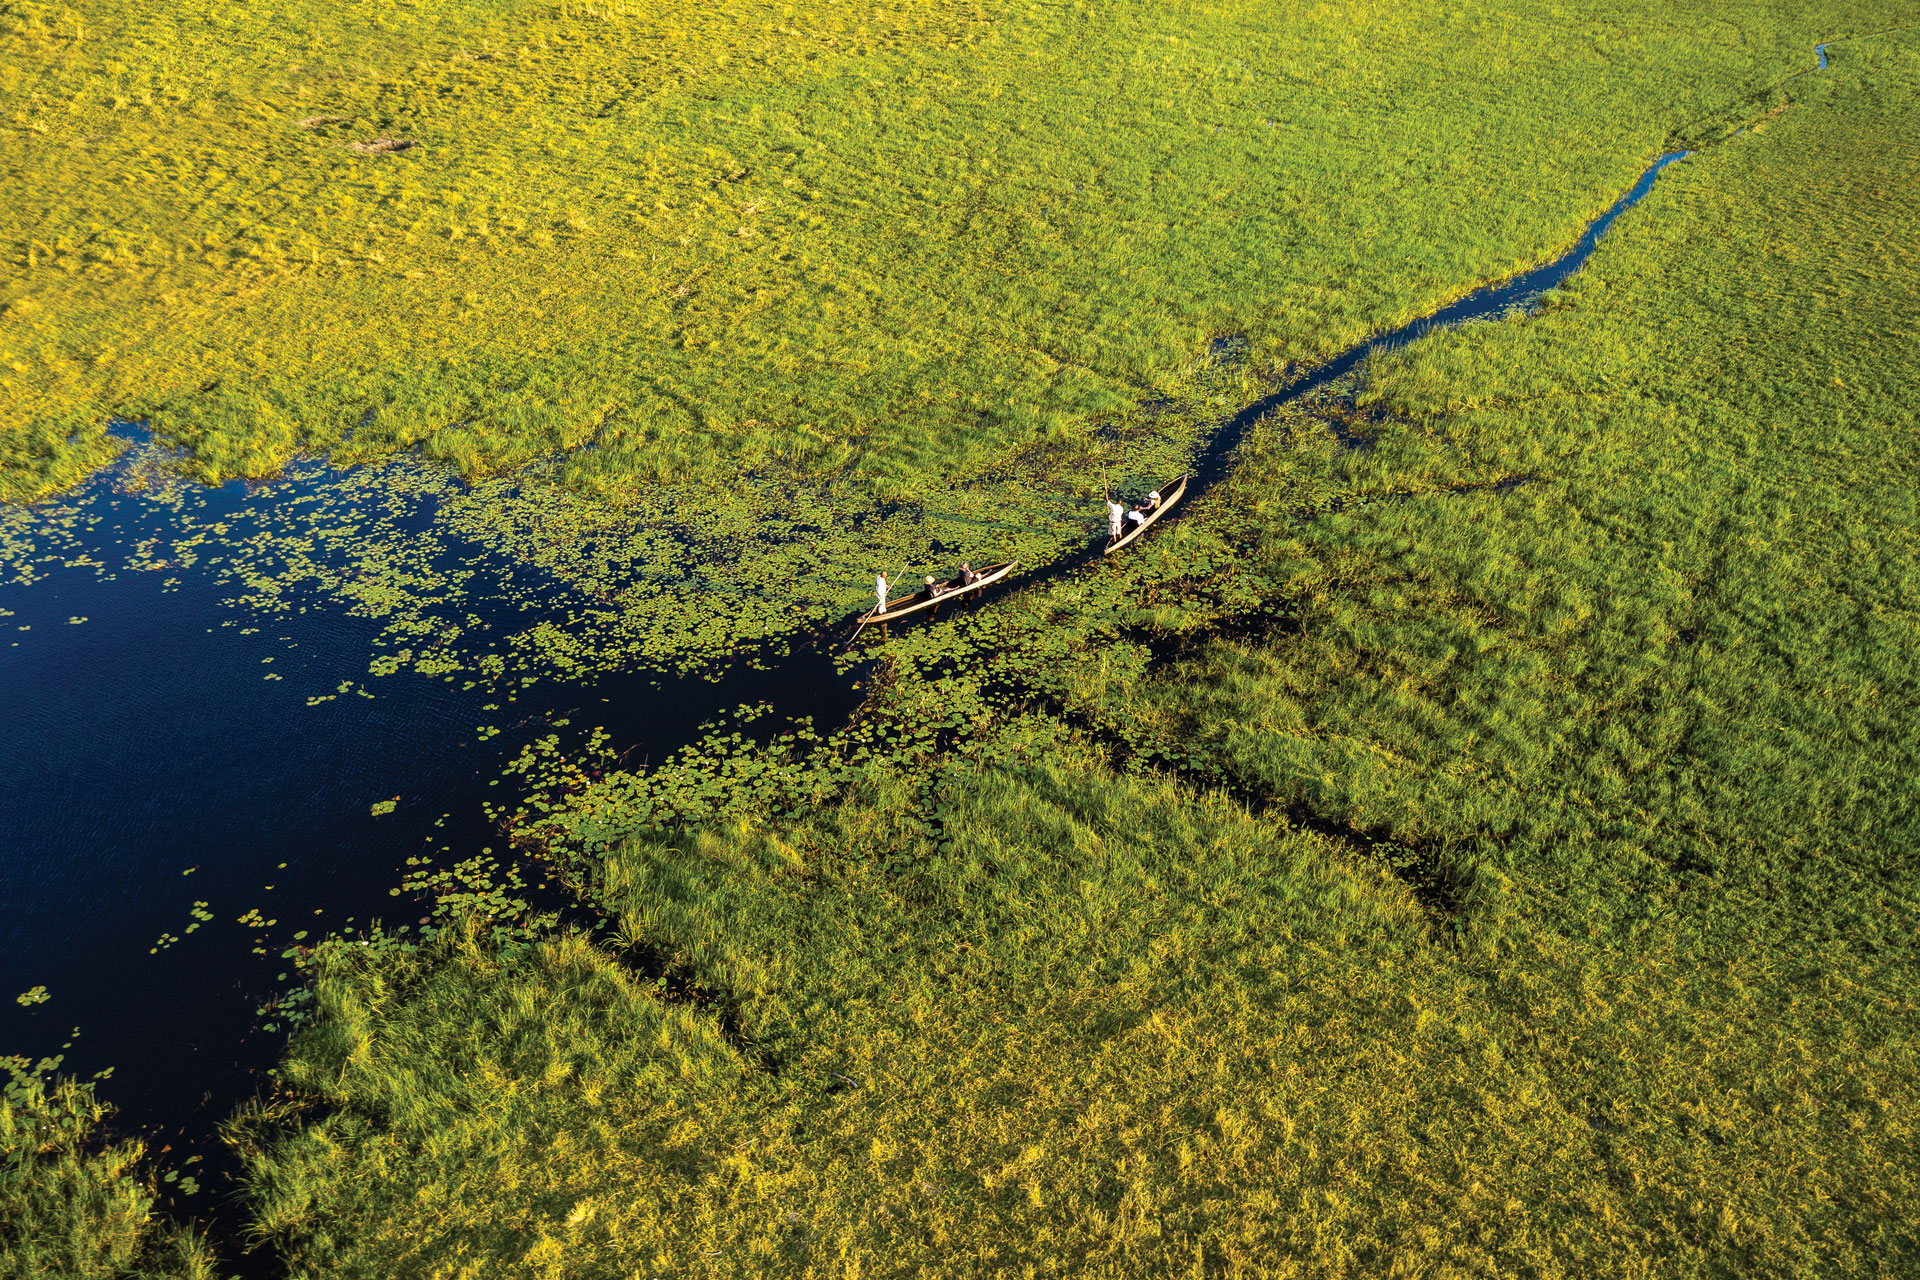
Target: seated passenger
{"x": 934, "y": 588}
{"x": 967, "y": 575}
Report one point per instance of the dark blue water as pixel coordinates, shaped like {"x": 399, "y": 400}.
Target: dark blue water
{"x": 150, "y": 765}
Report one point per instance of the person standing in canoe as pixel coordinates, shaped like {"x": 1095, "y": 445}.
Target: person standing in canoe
{"x": 880, "y": 590}
{"x": 1114, "y": 514}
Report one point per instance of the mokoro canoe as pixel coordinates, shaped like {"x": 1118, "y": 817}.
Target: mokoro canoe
{"x": 1168, "y": 497}
{"x": 921, "y": 600}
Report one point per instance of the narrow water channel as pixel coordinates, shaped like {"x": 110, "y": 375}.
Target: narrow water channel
{"x": 155, "y": 769}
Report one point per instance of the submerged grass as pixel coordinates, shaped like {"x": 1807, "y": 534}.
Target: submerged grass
{"x": 873, "y": 241}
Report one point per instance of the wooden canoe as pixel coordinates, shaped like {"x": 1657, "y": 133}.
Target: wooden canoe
{"x": 921, "y": 600}
{"x": 1168, "y": 497}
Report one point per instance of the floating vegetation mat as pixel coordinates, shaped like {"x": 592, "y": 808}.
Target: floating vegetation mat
{"x": 511, "y": 581}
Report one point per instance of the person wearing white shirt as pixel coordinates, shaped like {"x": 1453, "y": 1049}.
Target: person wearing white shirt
{"x": 1114, "y": 512}
{"x": 880, "y": 590}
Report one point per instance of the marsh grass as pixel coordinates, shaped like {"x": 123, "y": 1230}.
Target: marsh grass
{"x": 1034, "y": 1009}
{"x": 1634, "y": 671}
{"x": 383, "y": 1060}
{"x": 1091, "y": 944}
{"x": 680, "y": 245}
{"x": 1000, "y": 994}
{"x": 76, "y": 1203}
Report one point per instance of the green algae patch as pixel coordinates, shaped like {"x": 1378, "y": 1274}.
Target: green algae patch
{"x": 883, "y": 241}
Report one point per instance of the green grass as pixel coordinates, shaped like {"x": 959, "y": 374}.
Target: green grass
{"x": 870, "y": 241}
{"x": 1384, "y": 869}
{"x": 1096, "y": 1025}
{"x": 1381, "y": 872}
{"x": 75, "y": 1205}
{"x": 559, "y": 1030}
{"x": 1673, "y": 669}
{"x": 936, "y": 308}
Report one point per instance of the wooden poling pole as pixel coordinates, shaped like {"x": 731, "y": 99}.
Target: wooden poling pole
{"x": 872, "y": 613}
{"x": 870, "y": 617}
{"x": 1178, "y": 490}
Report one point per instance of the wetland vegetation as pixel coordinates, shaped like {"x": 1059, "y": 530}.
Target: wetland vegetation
{"x": 650, "y": 242}
{"x": 1475, "y": 836}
